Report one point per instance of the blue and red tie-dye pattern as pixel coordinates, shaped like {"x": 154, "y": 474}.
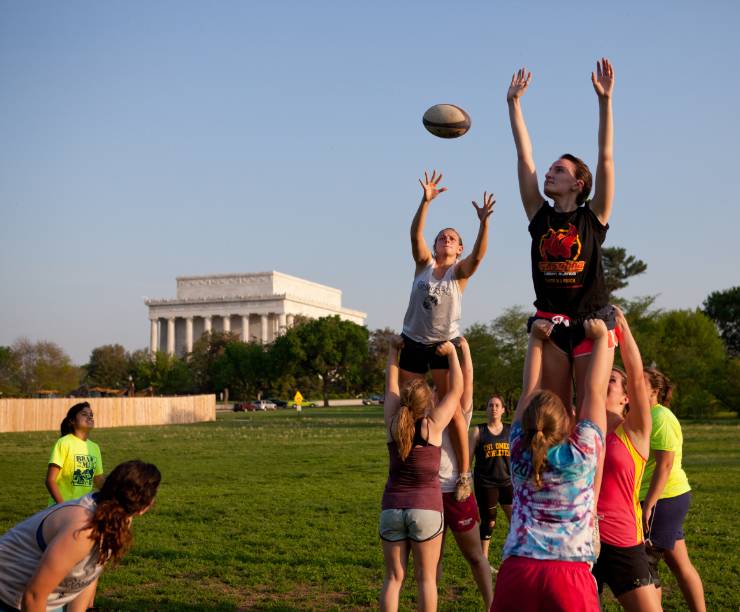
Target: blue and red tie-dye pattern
{"x": 555, "y": 521}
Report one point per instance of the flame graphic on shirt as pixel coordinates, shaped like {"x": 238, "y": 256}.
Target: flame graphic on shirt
{"x": 559, "y": 244}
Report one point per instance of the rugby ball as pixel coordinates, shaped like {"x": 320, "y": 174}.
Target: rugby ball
{"x": 446, "y": 121}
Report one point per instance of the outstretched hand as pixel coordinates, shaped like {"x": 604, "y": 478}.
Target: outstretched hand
{"x": 603, "y": 78}
{"x": 519, "y": 83}
{"x": 431, "y": 186}
{"x": 486, "y": 210}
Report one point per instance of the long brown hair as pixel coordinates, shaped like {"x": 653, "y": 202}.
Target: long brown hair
{"x": 661, "y": 384}
{"x": 416, "y": 397}
{"x": 545, "y": 423}
{"x": 128, "y": 489}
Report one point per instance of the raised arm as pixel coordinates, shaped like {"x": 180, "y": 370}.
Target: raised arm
{"x": 469, "y": 264}
{"x": 638, "y": 421}
{"x": 392, "y": 401}
{"x": 603, "y": 82}
{"x": 528, "y": 185}
{"x": 593, "y": 407}
{"x": 430, "y": 190}
{"x": 466, "y": 366}
{"x": 441, "y": 414}
{"x": 532, "y": 375}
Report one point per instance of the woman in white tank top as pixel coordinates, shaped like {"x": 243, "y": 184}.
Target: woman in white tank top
{"x": 434, "y": 311}
{"x": 55, "y": 557}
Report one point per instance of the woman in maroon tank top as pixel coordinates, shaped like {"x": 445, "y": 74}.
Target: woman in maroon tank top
{"x": 411, "y": 520}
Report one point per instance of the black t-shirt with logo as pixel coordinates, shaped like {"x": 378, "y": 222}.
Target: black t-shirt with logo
{"x": 492, "y": 457}
{"x": 567, "y": 267}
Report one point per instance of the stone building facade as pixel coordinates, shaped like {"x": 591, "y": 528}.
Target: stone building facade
{"x": 258, "y": 307}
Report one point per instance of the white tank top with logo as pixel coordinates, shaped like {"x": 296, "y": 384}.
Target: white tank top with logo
{"x": 21, "y": 550}
{"x": 435, "y": 307}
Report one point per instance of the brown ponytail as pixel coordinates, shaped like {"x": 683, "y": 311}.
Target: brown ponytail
{"x": 128, "y": 490}
{"x": 662, "y": 386}
{"x": 545, "y": 423}
{"x": 415, "y": 400}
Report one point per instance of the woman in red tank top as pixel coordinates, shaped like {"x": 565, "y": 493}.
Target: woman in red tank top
{"x": 622, "y": 563}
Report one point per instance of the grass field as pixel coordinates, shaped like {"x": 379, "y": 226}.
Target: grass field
{"x": 278, "y": 511}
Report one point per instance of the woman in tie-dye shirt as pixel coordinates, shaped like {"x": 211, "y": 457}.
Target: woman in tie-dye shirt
{"x": 549, "y": 548}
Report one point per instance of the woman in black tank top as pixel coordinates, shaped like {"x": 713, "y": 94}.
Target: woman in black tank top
{"x": 492, "y": 471}
{"x": 567, "y": 268}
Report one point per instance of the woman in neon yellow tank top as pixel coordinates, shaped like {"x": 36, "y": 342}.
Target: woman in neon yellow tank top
{"x": 666, "y": 494}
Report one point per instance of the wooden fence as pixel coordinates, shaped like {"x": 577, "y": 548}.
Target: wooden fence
{"x": 47, "y": 414}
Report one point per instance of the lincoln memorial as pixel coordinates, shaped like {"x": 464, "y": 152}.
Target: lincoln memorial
{"x": 258, "y": 307}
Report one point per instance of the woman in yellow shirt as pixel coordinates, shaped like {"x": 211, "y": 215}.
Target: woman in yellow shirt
{"x": 75, "y": 465}
{"x": 665, "y": 495}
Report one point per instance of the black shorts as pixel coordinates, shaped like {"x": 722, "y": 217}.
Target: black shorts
{"x": 568, "y": 335}
{"x": 488, "y": 498}
{"x": 420, "y": 358}
{"x": 624, "y": 569}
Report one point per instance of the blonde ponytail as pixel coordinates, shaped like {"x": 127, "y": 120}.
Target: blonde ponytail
{"x": 545, "y": 423}
{"x": 416, "y": 397}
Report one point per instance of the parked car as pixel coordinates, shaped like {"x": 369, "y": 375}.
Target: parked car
{"x": 372, "y": 400}
{"x": 305, "y": 404}
{"x": 264, "y": 405}
{"x": 244, "y": 407}
{"x": 278, "y": 402}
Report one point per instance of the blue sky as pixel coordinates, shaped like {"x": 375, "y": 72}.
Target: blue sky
{"x": 143, "y": 141}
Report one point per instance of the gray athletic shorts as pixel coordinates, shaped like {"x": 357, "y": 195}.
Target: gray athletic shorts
{"x": 412, "y": 524}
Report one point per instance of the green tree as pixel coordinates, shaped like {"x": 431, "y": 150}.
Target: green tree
{"x": 686, "y": 347}
{"x": 327, "y": 348}
{"x": 619, "y": 267}
{"x": 373, "y": 370}
{"x": 44, "y": 365}
{"x": 8, "y": 372}
{"x": 498, "y": 352}
{"x": 723, "y": 307}
{"x": 206, "y": 352}
{"x": 108, "y": 367}
{"x": 243, "y": 369}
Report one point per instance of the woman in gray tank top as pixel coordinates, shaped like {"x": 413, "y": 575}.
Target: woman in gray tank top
{"x": 55, "y": 557}
{"x": 435, "y": 306}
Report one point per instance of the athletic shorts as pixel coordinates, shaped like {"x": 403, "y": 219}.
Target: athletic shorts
{"x": 569, "y": 335}
{"x": 420, "y": 358}
{"x": 488, "y": 499}
{"x": 624, "y": 569}
{"x": 460, "y": 516}
{"x": 666, "y": 524}
{"x": 410, "y": 524}
{"x": 533, "y": 585}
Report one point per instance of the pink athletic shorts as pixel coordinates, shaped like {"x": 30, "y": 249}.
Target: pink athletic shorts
{"x": 533, "y": 585}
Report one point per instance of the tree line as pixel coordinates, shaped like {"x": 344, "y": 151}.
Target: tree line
{"x": 699, "y": 350}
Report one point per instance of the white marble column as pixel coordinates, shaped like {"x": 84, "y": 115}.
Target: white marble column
{"x": 189, "y": 335}
{"x": 282, "y": 320}
{"x": 290, "y": 320}
{"x": 245, "y": 328}
{"x": 206, "y": 324}
{"x": 171, "y": 336}
{"x": 153, "y": 335}
{"x": 263, "y": 329}
{"x": 226, "y": 323}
